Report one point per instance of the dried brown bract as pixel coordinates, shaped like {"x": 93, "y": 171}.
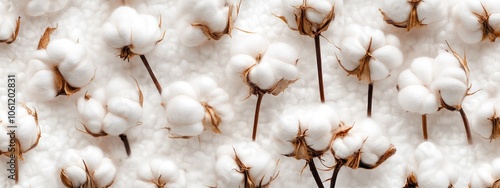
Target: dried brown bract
{"x": 306, "y": 26}
{"x": 211, "y": 120}
{"x": 249, "y": 181}
{"x": 412, "y": 22}
{"x": 488, "y": 31}
{"x": 302, "y": 150}
{"x": 214, "y": 35}
{"x": 411, "y": 181}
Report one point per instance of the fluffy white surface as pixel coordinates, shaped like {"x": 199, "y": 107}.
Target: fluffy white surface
{"x": 83, "y": 21}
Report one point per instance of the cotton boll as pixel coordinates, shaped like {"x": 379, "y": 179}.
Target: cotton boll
{"x": 105, "y": 173}
{"x": 58, "y": 49}
{"x": 389, "y": 55}
{"x": 469, "y": 36}
{"x": 226, "y": 173}
{"x": 494, "y": 21}
{"x": 281, "y": 51}
{"x": 427, "y": 150}
{"x": 284, "y": 70}
{"x": 69, "y": 158}
{"x": 251, "y": 44}
{"x": 177, "y": 89}
{"x": 28, "y": 132}
{"x": 92, "y": 156}
{"x": 165, "y": 169}
{"x": 145, "y": 34}
{"x": 183, "y": 110}
{"x": 287, "y": 128}
{"x": 408, "y": 78}
{"x": 318, "y": 11}
{"x": 397, "y": 10}
{"x": 192, "y": 37}
{"x": 262, "y": 75}
{"x": 80, "y": 76}
{"x": 41, "y": 86}
{"x": 114, "y": 125}
{"x": 239, "y": 63}
{"x": 348, "y": 145}
{"x": 419, "y": 99}
{"x": 218, "y": 21}
{"x": 468, "y": 20}
{"x": 483, "y": 124}
{"x": 76, "y": 175}
{"x": 203, "y": 85}
{"x": 125, "y": 108}
{"x": 432, "y": 179}
{"x": 422, "y": 67}
{"x": 430, "y": 11}
{"x": 92, "y": 112}
{"x": 376, "y": 37}
{"x": 393, "y": 40}
{"x": 8, "y": 26}
{"x": 452, "y": 91}
{"x": 482, "y": 177}
{"x": 113, "y": 36}
{"x": 378, "y": 70}
{"x": 352, "y": 51}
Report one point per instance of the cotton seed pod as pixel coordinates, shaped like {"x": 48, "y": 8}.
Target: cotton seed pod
{"x": 415, "y": 95}
{"x": 433, "y": 169}
{"x": 194, "y": 106}
{"x": 367, "y": 55}
{"x": 309, "y": 130}
{"x": 451, "y": 79}
{"x": 413, "y": 13}
{"x": 310, "y": 17}
{"x": 9, "y": 25}
{"x": 362, "y": 145}
{"x": 162, "y": 172}
{"x": 478, "y": 20}
{"x": 86, "y": 168}
{"x": 245, "y": 165}
{"x": 114, "y": 113}
{"x": 210, "y": 20}
{"x": 131, "y": 32}
{"x": 60, "y": 67}
{"x": 487, "y": 120}
{"x": 268, "y": 73}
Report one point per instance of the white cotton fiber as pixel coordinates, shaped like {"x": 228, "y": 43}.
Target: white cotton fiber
{"x": 114, "y": 37}
{"x": 287, "y": 128}
{"x": 417, "y": 98}
{"x": 92, "y": 113}
{"x": 238, "y": 63}
{"x": 146, "y": 34}
{"x": 482, "y": 177}
{"x": 251, "y": 44}
{"x": 105, "y": 173}
{"x": 125, "y": 108}
{"x": 114, "y": 125}
{"x": 496, "y": 168}
{"x": 483, "y": 125}
{"x": 430, "y": 11}
{"x": 452, "y": 91}
{"x": 76, "y": 174}
{"x": 226, "y": 173}
{"x": 41, "y": 86}
{"x": 378, "y": 70}
{"x": 178, "y": 88}
{"x": 81, "y": 75}
{"x": 183, "y": 110}
{"x": 281, "y": 51}
{"x": 422, "y": 67}
{"x": 408, "y": 78}
{"x": 27, "y": 133}
{"x": 193, "y": 36}
{"x": 348, "y": 145}
{"x": 432, "y": 179}
{"x": 92, "y": 155}
{"x": 352, "y": 50}
{"x": 319, "y": 10}
{"x": 494, "y": 21}
{"x": 4, "y": 139}
{"x": 165, "y": 169}
{"x": 203, "y": 85}
{"x": 389, "y": 55}
{"x": 7, "y": 24}
{"x": 397, "y": 10}
{"x": 262, "y": 75}
{"x": 37, "y": 7}
{"x": 58, "y": 49}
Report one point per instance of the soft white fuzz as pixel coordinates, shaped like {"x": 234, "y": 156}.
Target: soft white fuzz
{"x": 160, "y": 172}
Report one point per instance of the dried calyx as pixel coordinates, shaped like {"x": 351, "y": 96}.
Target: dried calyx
{"x": 9, "y": 25}
{"x": 413, "y": 20}
{"x": 484, "y": 20}
{"x": 249, "y": 181}
{"x": 216, "y": 35}
{"x": 306, "y": 26}
{"x": 411, "y": 181}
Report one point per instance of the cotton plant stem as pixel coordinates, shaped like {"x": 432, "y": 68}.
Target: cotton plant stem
{"x": 370, "y": 97}
{"x": 424, "y": 126}
{"x": 466, "y": 125}
{"x": 124, "y": 139}
{"x": 336, "y": 171}
{"x": 256, "y": 117}
{"x": 320, "y": 69}
{"x": 315, "y": 174}
{"x": 151, "y": 73}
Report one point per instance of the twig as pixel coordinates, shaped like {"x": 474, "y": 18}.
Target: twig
{"x": 320, "y": 70}
{"x": 370, "y": 96}
{"x": 466, "y": 125}
{"x": 336, "y": 171}
{"x": 424, "y": 126}
{"x": 151, "y": 73}
{"x": 315, "y": 174}
{"x": 124, "y": 139}
{"x": 256, "y": 117}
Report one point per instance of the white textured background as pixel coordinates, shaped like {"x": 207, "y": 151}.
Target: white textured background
{"x": 81, "y": 20}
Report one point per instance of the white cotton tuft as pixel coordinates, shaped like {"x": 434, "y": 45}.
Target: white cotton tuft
{"x": 178, "y": 88}
{"x": 193, "y": 36}
{"x": 105, "y": 173}
{"x": 114, "y": 125}
{"x": 76, "y": 174}
{"x": 427, "y": 150}
{"x": 397, "y": 10}
{"x": 145, "y": 34}
{"x": 41, "y": 86}
{"x": 482, "y": 177}
{"x": 418, "y": 99}
{"x": 251, "y": 44}
{"x": 27, "y": 132}
{"x": 125, "y": 108}
{"x": 352, "y": 50}
{"x": 37, "y": 7}
{"x": 92, "y": 156}
{"x": 184, "y": 110}
{"x": 239, "y": 63}
{"x": 430, "y": 11}
{"x": 226, "y": 173}
{"x": 262, "y": 75}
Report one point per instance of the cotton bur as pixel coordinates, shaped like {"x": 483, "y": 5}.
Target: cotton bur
{"x": 311, "y": 18}
{"x": 208, "y": 20}
{"x": 112, "y": 110}
{"x": 434, "y": 169}
{"x": 411, "y": 14}
{"x": 265, "y": 70}
{"x": 59, "y": 67}
{"x": 86, "y": 168}
{"x": 362, "y": 145}
{"x": 160, "y": 173}
{"x": 244, "y": 165}
{"x": 477, "y": 20}
{"x": 369, "y": 55}
{"x": 486, "y": 175}
{"x": 433, "y": 84}
{"x": 26, "y": 136}
{"x": 305, "y": 133}
{"x": 487, "y": 119}
{"x": 9, "y": 24}
{"x": 133, "y": 34}
{"x": 195, "y": 105}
